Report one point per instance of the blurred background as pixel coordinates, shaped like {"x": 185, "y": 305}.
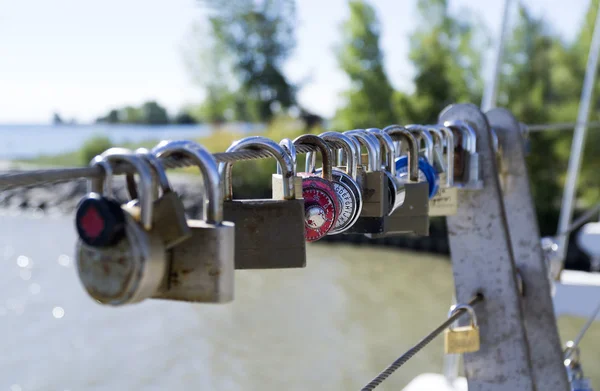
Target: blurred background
{"x": 78, "y": 77}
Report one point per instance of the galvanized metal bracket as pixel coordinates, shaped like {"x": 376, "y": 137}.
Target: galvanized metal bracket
{"x": 482, "y": 262}
{"x": 538, "y": 312}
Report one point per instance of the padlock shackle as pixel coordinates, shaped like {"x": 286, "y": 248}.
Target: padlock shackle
{"x": 449, "y": 136}
{"x": 371, "y": 144}
{"x": 102, "y": 185}
{"x": 350, "y": 148}
{"x": 466, "y": 307}
{"x": 469, "y": 137}
{"x": 213, "y": 209}
{"x": 284, "y": 160}
{"x": 289, "y": 147}
{"x": 423, "y": 135}
{"x": 158, "y": 170}
{"x": 386, "y": 143}
{"x": 147, "y": 182}
{"x": 397, "y": 131}
{"x": 324, "y": 150}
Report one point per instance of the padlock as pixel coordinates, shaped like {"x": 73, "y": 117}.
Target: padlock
{"x": 426, "y": 158}
{"x": 269, "y": 233}
{"x": 463, "y": 339}
{"x": 575, "y": 374}
{"x": 374, "y": 215}
{"x": 466, "y": 172}
{"x": 201, "y": 269}
{"x": 345, "y": 180}
{"x": 169, "y": 218}
{"x": 395, "y": 188}
{"x": 445, "y": 201}
{"x": 126, "y": 265}
{"x": 321, "y": 203}
{"x": 277, "y": 179}
{"x": 412, "y": 216}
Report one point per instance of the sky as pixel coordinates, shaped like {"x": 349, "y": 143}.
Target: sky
{"x": 82, "y": 58}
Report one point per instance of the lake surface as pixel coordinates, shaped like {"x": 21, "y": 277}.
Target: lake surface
{"x": 331, "y": 326}
{"x": 23, "y": 141}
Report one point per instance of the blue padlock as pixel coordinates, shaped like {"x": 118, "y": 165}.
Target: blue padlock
{"x": 426, "y": 173}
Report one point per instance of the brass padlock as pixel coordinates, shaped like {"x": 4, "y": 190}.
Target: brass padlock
{"x": 168, "y": 218}
{"x": 463, "y": 339}
{"x": 373, "y": 217}
{"x": 201, "y": 269}
{"x": 269, "y": 232}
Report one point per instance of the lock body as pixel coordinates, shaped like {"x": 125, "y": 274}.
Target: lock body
{"x": 445, "y": 201}
{"x": 123, "y": 273}
{"x": 412, "y": 216}
{"x": 269, "y": 233}
{"x": 202, "y": 267}
{"x": 460, "y": 340}
{"x": 373, "y": 218}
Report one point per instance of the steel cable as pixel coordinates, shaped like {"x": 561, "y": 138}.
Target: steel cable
{"x": 420, "y": 345}
{"x": 31, "y": 178}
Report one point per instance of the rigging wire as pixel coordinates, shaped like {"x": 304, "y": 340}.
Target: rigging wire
{"x": 562, "y": 126}
{"x": 39, "y": 177}
{"x": 584, "y": 218}
{"x": 420, "y": 345}
{"x": 572, "y": 346}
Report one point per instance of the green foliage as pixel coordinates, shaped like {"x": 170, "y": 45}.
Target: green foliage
{"x": 150, "y": 113}
{"x": 256, "y": 38}
{"x": 446, "y": 52}
{"x": 184, "y": 118}
{"x": 369, "y": 99}
{"x": 92, "y": 147}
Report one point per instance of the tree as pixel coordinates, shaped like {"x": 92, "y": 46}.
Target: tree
{"x": 154, "y": 114}
{"x": 258, "y": 36}
{"x": 446, "y": 52}
{"x": 369, "y": 99}
{"x": 528, "y": 88}
{"x": 184, "y": 118}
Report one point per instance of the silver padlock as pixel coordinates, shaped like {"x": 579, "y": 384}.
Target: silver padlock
{"x": 395, "y": 188}
{"x": 201, "y": 269}
{"x": 574, "y": 370}
{"x": 373, "y": 218}
{"x": 466, "y": 166}
{"x": 445, "y": 201}
{"x": 130, "y": 268}
{"x": 413, "y": 214}
{"x": 345, "y": 180}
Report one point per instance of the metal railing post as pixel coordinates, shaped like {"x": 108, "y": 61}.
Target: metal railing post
{"x": 538, "y": 311}
{"x": 482, "y": 262}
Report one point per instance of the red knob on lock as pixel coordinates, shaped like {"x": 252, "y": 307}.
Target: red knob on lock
{"x": 321, "y": 207}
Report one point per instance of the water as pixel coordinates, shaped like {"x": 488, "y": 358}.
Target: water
{"x": 24, "y": 141}
{"x": 331, "y": 326}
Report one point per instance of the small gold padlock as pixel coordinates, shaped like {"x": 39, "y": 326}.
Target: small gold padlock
{"x": 463, "y": 339}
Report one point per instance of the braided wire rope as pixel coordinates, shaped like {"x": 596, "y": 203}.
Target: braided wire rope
{"x": 420, "y": 345}
{"x": 31, "y": 178}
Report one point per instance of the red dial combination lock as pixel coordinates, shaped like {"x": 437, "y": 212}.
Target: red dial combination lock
{"x": 321, "y": 203}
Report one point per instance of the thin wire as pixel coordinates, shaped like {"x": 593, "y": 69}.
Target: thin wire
{"x": 583, "y": 330}
{"x": 420, "y": 345}
{"x": 562, "y": 126}
{"x": 581, "y": 220}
